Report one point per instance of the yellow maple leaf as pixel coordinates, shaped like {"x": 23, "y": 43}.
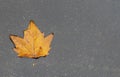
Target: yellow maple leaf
{"x": 34, "y": 44}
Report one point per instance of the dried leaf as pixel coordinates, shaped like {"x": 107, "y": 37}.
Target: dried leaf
{"x": 34, "y": 44}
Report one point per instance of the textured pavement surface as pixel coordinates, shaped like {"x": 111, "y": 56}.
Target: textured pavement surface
{"x": 86, "y": 42}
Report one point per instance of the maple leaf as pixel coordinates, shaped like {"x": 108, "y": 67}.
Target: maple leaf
{"x": 34, "y": 44}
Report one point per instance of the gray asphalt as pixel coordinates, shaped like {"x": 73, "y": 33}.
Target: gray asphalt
{"x": 86, "y": 42}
